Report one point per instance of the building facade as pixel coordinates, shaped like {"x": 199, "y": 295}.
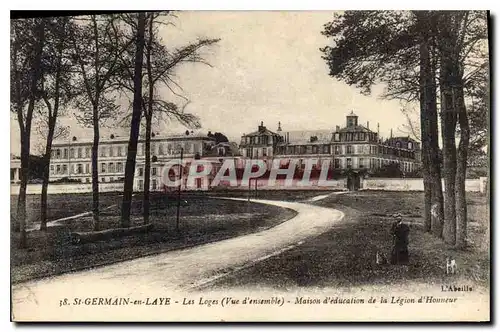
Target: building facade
{"x": 72, "y": 160}
{"x": 15, "y": 169}
{"x": 357, "y": 147}
{"x": 260, "y": 144}
{"x": 352, "y": 146}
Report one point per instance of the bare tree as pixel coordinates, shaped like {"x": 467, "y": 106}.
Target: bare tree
{"x": 412, "y": 126}
{"x": 96, "y": 54}
{"x": 159, "y": 66}
{"x": 55, "y": 92}
{"x": 27, "y": 41}
{"x": 158, "y": 74}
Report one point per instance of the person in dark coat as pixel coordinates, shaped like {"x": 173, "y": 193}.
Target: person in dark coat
{"x": 399, "y": 232}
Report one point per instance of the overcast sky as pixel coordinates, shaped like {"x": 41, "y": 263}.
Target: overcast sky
{"x": 267, "y": 67}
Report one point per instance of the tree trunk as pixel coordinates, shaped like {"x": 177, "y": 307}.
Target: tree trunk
{"x": 26, "y": 130}
{"x": 21, "y": 202}
{"x": 433, "y": 206}
{"x": 463, "y": 146}
{"x": 448, "y": 131}
{"x": 52, "y": 120}
{"x": 135, "y": 123}
{"x": 95, "y": 169}
{"x": 147, "y": 170}
{"x": 427, "y": 193}
{"x": 46, "y": 175}
{"x": 149, "y": 117}
{"x": 424, "y": 128}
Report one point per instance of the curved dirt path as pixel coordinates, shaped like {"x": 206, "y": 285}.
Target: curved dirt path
{"x": 173, "y": 271}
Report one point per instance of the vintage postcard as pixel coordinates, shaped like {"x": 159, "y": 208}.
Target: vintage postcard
{"x": 250, "y": 166}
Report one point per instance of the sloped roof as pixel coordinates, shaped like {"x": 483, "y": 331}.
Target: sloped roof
{"x": 262, "y": 132}
{"x": 401, "y": 139}
{"x": 230, "y": 147}
{"x": 301, "y": 137}
{"x": 124, "y": 139}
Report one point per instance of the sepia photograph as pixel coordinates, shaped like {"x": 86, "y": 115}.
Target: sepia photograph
{"x": 250, "y": 166}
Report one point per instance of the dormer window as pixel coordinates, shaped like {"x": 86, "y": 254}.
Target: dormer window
{"x": 398, "y": 144}
{"x": 410, "y": 145}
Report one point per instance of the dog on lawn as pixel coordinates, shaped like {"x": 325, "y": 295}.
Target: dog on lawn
{"x": 451, "y": 266}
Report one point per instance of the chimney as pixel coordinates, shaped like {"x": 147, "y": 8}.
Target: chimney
{"x": 279, "y": 126}
{"x": 368, "y": 124}
{"x": 391, "y": 132}
{"x": 288, "y": 137}
{"x": 261, "y": 127}
{"x": 337, "y": 128}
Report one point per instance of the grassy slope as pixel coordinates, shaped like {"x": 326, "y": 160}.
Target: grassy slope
{"x": 345, "y": 256}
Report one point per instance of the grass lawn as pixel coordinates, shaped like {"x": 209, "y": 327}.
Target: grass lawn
{"x": 59, "y": 205}
{"x": 202, "y": 220}
{"x": 345, "y": 256}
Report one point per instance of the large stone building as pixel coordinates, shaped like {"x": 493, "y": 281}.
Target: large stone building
{"x": 72, "y": 159}
{"x": 260, "y": 143}
{"x": 357, "y": 147}
{"x": 353, "y": 147}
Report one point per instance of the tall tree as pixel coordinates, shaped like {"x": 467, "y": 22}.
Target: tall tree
{"x": 427, "y": 102}
{"x": 96, "y": 54}
{"x": 135, "y": 121}
{"x": 470, "y": 67}
{"x": 386, "y": 47}
{"x": 55, "y": 91}
{"x": 27, "y": 41}
{"x": 159, "y": 68}
{"x": 448, "y": 79}
{"x": 446, "y": 47}
{"x": 460, "y": 33}
{"x": 159, "y": 73}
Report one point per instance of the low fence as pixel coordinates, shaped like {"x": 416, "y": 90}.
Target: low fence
{"x": 280, "y": 184}
{"x": 67, "y": 188}
{"x": 471, "y": 185}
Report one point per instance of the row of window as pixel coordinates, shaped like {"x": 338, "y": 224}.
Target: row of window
{"x": 86, "y": 168}
{"x": 105, "y": 168}
{"x": 304, "y": 149}
{"x": 154, "y": 184}
{"x": 349, "y": 137}
{"x": 258, "y": 152}
{"x": 110, "y": 179}
{"x": 372, "y": 149}
{"x": 372, "y": 163}
{"x": 343, "y": 149}
{"x": 262, "y": 139}
{"x": 140, "y": 171}
{"x": 121, "y": 150}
